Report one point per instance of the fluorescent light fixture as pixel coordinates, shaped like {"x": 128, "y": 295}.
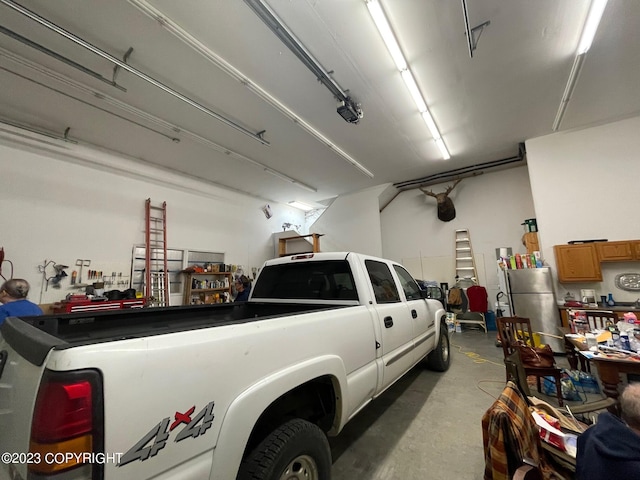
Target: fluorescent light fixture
{"x": 411, "y": 84}
{"x": 379, "y": 18}
{"x": 568, "y": 90}
{"x": 431, "y": 125}
{"x": 443, "y": 148}
{"x": 591, "y": 25}
{"x": 301, "y": 205}
{"x": 588, "y": 33}
{"x": 375, "y": 9}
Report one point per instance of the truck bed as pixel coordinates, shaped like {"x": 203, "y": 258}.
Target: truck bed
{"x": 35, "y": 336}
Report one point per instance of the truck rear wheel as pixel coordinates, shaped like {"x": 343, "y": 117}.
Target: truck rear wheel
{"x": 440, "y": 358}
{"x": 297, "y": 449}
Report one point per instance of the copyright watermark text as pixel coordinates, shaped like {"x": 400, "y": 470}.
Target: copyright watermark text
{"x": 59, "y": 458}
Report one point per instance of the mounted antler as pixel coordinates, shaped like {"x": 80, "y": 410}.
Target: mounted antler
{"x": 446, "y": 209}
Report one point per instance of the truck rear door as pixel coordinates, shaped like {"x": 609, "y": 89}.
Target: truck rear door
{"x": 424, "y": 320}
{"x": 396, "y": 324}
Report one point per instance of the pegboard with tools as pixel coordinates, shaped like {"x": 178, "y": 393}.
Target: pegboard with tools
{"x": 113, "y": 275}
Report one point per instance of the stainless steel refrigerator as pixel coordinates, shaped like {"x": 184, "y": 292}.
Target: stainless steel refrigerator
{"x": 533, "y": 296}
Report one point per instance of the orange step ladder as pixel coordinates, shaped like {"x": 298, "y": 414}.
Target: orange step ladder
{"x": 156, "y": 270}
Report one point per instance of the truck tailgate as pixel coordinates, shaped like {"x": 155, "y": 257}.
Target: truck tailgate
{"x": 19, "y": 382}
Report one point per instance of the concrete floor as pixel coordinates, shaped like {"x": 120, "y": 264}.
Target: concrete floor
{"x": 427, "y": 425}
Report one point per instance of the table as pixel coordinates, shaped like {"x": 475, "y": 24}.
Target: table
{"x": 609, "y": 368}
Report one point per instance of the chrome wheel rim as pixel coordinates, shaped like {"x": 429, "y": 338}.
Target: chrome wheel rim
{"x": 445, "y": 350}
{"x": 302, "y": 467}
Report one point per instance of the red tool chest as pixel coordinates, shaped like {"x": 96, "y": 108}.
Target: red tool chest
{"x": 67, "y": 306}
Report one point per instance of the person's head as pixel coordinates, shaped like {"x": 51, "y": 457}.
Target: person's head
{"x": 242, "y": 283}
{"x": 14, "y": 289}
{"x": 630, "y": 406}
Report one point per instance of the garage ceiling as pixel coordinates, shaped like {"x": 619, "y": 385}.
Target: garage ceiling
{"x": 292, "y": 145}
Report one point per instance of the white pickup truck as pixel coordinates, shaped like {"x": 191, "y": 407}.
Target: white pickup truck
{"x": 248, "y": 390}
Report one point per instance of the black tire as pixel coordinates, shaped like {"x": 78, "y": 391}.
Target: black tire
{"x": 440, "y": 358}
{"x": 296, "y": 449}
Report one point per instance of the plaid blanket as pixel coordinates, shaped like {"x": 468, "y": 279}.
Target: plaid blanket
{"x": 509, "y": 435}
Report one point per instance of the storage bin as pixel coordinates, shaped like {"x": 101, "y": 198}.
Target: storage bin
{"x": 490, "y": 319}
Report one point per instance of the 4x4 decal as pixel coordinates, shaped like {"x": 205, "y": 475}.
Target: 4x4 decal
{"x": 193, "y": 427}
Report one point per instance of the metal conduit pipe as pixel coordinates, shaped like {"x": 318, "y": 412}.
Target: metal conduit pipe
{"x": 462, "y": 172}
{"x": 83, "y": 43}
{"x": 77, "y": 86}
{"x": 58, "y": 57}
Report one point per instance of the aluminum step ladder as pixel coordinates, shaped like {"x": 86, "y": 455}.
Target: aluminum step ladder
{"x": 465, "y": 261}
{"x": 467, "y": 276}
{"x": 155, "y": 270}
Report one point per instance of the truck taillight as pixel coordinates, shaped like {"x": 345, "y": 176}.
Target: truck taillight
{"x": 67, "y": 421}
{"x": 63, "y": 410}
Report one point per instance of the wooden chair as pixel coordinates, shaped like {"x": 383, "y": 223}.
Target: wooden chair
{"x": 518, "y": 329}
{"x": 516, "y": 374}
{"x": 598, "y": 320}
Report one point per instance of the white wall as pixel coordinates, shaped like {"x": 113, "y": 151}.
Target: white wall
{"x": 584, "y": 184}
{"x": 491, "y": 206}
{"x": 64, "y": 202}
{"x": 352, "y": 223}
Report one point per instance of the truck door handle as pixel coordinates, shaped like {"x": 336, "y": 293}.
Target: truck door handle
{"x": 388, "y": 322}
{"x": 414, "y": 314}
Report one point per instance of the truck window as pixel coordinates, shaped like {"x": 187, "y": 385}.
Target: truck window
{"x": 384, "y": 287}
{"x": 327, "y": 280}
{"x": 409, "y": 285}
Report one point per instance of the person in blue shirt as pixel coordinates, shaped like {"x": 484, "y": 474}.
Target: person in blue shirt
{"x": 13, "y": 296}
{"x": 243, "y": 287}
{"x": 610, "y": 449}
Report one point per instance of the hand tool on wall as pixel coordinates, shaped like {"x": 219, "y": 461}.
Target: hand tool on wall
{"x": 81, "y": 263}
{"x": 60, "y": 274}
{"x": 2, "y": 260}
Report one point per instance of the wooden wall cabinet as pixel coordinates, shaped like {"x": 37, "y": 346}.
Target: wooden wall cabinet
{"x": 206, "y": 288}
{"x": 635, "y": 246}
{"x": 578, "y": 263}
{"x": 530, "y": 241}
{"x": 617, "y": 251}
